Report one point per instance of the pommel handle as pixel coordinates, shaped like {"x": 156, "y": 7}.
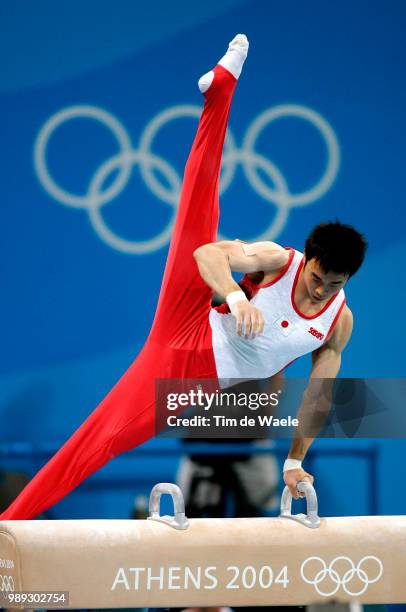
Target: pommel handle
{"x": 179, "y": 520}
{"x": 311, "y": 519}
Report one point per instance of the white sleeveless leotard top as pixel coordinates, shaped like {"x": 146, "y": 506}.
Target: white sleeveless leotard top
{"x": 287, "y": 334}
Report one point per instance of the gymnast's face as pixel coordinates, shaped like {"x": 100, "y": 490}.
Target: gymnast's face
{"x": 321, "y": 285}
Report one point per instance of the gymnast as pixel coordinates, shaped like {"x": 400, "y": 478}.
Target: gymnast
{"x": 287, "y": 304}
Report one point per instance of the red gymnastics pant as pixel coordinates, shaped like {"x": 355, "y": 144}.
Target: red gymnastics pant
{"x": 179, "y": 344}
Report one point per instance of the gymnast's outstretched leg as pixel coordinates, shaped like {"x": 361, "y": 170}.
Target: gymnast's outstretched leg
{"x": 179, "y": 345}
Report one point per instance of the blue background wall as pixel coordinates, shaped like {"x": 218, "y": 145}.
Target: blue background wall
{"x": 77, "y": 303}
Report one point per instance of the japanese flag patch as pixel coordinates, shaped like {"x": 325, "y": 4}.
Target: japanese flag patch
{"x": 285, "y": 326}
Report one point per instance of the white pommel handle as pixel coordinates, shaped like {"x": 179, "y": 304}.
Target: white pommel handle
{"x": 311, "y": 519}
{"x": 179, "y": 520}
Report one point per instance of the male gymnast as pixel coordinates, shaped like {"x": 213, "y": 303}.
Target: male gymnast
{"x": 295, "y": 305}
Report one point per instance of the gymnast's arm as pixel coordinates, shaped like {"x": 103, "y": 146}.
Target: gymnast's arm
{"x": 217, "y": 260}
{"x": 317, "y": 398}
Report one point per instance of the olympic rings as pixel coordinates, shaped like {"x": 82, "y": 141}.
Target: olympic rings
{"x": 251, "y": 161}
{"x": 333, "y": 575}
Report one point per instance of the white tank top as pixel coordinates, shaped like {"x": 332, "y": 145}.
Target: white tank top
{"x": 287, "y": 334}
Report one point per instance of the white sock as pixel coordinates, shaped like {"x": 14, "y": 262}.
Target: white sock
{"x": 236, "y": 54}
{"x": 232, "y": 61}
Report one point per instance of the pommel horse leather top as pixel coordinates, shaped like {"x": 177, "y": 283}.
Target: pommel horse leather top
{"x": 171, "y": 561}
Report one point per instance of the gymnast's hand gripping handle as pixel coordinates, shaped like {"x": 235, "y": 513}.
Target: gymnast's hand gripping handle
{"x": 179, "y": 520}
{"x": 311, "y": 519}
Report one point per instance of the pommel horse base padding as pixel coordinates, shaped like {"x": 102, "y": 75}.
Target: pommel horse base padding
{"x": 173, "y": 562}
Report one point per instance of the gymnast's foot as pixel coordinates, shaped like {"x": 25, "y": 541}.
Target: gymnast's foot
{"x": 232, "y": 61}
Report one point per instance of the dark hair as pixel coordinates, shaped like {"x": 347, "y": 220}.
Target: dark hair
{"x": 337, "y": 247}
